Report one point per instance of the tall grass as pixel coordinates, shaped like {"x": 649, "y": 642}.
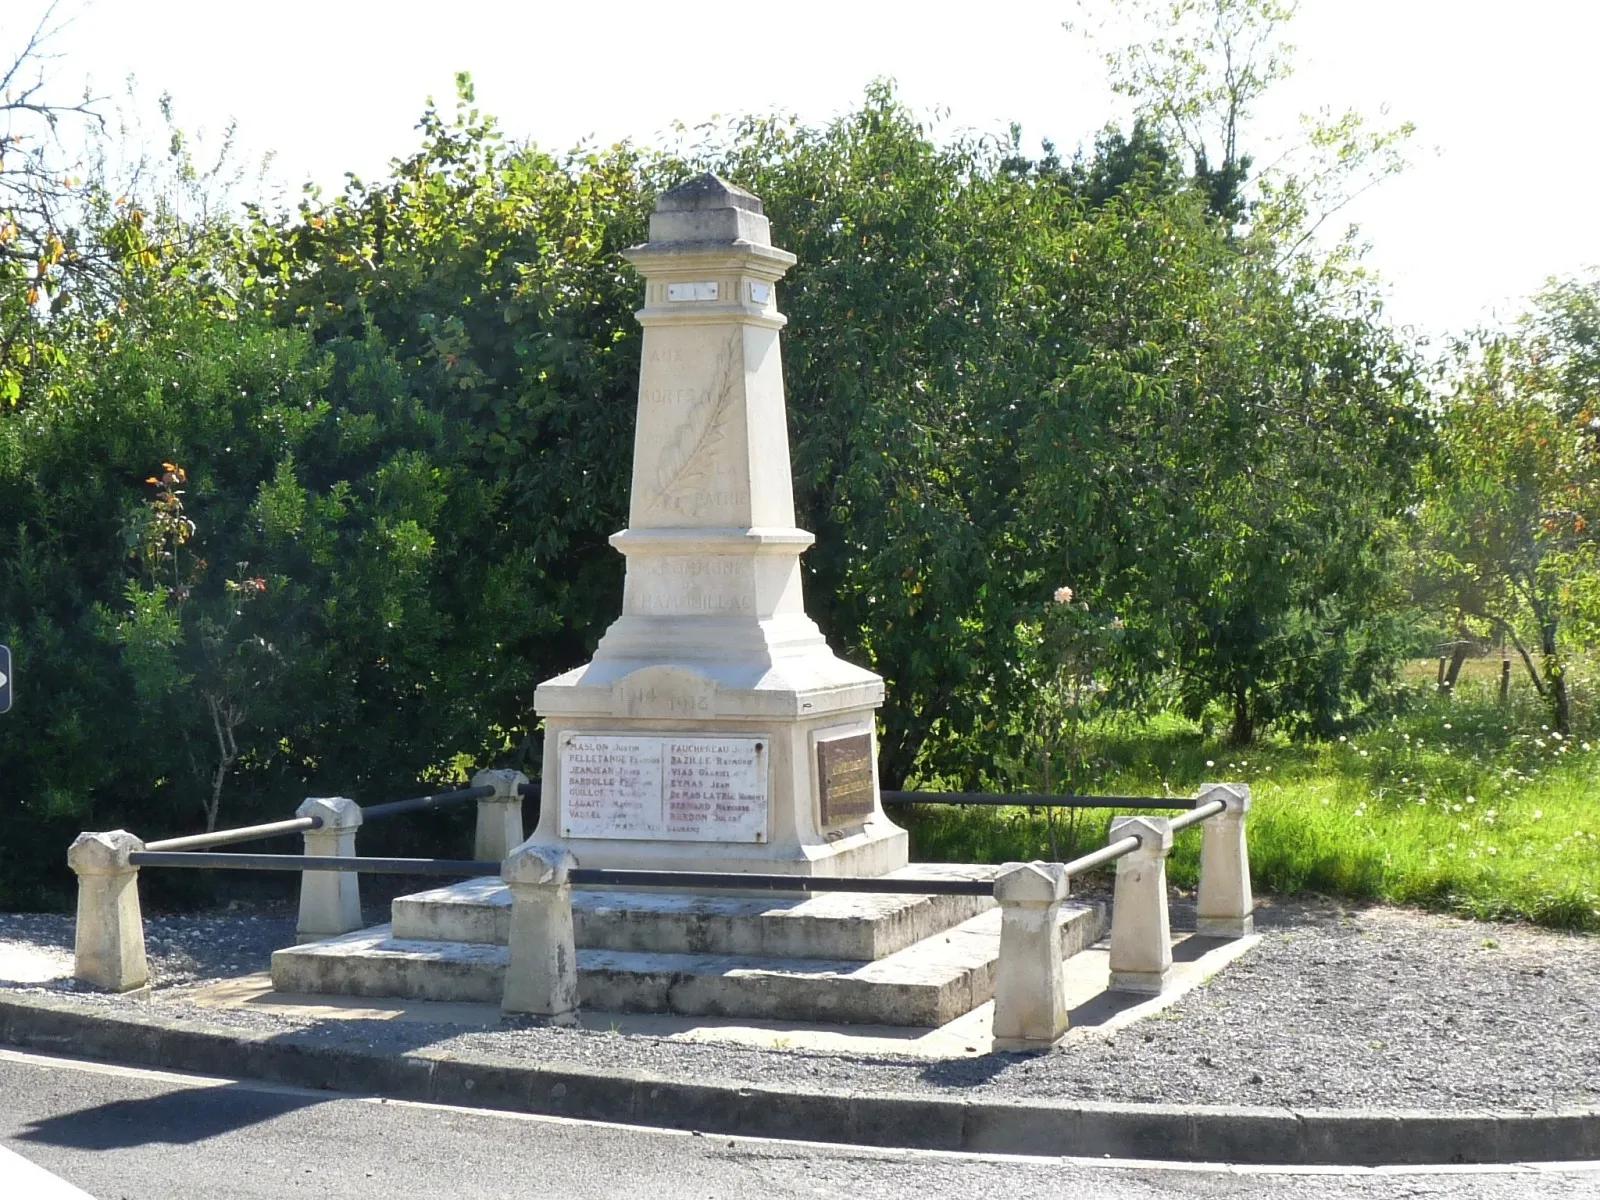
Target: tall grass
{"x": 1463, "y": 805}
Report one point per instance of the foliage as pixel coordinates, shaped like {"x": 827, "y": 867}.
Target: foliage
{"x": 1513, "y": 489}
{"x": 393, "y": 419}
{"x": 1461, "y": 805}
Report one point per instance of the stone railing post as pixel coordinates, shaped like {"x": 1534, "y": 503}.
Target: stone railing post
{"x": 1225, "y": 906}
{"x": 499, "y": 815}
{"x": 109, "y": 950}
{"x": 1030, "y": 999}
{"x": 542, "y": 971}
{"x": 330, "y": 901}
{"x": 1141, "y": 933}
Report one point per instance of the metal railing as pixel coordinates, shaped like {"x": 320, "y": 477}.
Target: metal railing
{"x": 245, "y": 833}
{"x": 394, "y": 808}
{"x": 315, "y": 862}
{"x": 541, "y": 977}
{"x": 371, "y": 812}
{"x": 1108, "y": 853}
{"x": 1195, "y": 815}
{"x": 1033, "y": 800}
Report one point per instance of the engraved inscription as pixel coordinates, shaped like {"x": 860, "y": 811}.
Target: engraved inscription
{"x": 704, "y": 789}
{"x": 844, "y": 778}
{"x": 637, "y": 701}
{"x": 664, "y": 692}
{"x": 692, "y": 291}
{"x": 691, "y": 586}
{"x": 686, "y": 475}
{"x": 613, "y": 782}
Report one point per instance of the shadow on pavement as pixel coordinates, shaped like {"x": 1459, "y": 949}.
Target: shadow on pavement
{"x": 176, "y": 1118}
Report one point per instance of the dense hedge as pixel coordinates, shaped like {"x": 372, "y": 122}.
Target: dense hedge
{"x": 399, "y": 421}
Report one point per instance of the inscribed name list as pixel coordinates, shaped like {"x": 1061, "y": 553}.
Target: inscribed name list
{"x": 693, "y": 789}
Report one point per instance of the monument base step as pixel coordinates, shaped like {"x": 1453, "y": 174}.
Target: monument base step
{"x": 926, "y": 984}
{"x": 852, "y": 926}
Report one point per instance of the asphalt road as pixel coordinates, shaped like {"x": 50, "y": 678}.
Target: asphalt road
{"x": 126, "y": 1134}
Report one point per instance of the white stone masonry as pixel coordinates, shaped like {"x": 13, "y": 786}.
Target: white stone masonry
{"x": 1030, "y": 1002}
{"x": 542, "y": 963}
{"x": 499, "y": 828}
{"x": 1141, "y": 934}
{"x": 714, "y": 728}
{"x": 330, "y": 901}
{"x": 109, "y": 949}
{"x": 1225, "y": 906}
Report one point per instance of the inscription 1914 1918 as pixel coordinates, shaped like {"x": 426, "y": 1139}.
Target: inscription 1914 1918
{"x": 704, "y": 789}
{"x": 844, "y": 778}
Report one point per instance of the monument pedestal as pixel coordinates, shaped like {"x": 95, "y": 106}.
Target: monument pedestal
{"x": 906, "y": 960}
{"x": 714, "y": 730}
{"x": 678, "y": 768}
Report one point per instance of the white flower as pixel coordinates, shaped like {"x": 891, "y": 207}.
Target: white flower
{"x": 1209, "y": 763}
{"x": 1063, "y": 595}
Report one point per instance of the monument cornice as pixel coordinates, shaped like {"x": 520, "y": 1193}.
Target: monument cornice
{"x": 711, "y": 313}
{"x": 675, "y": 540}
{"x": 666, "y": 260}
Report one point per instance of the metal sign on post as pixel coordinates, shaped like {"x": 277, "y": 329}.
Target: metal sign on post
{"x": 5, "y": 679}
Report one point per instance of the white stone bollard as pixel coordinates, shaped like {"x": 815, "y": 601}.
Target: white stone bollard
{"x": 330, "y": 901}
{"x": 542, "y": 972}
{"x": 1030, "y": 997}
{"x": 1141, "y": 934}
{"x": 1225, "y": 906}
{"x": 109, "y": 950}
{"x": 499, "y": 815}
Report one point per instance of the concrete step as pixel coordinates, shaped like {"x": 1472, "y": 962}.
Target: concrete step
{"x": 853, "y": 926}
{"x": 926, "y": 985}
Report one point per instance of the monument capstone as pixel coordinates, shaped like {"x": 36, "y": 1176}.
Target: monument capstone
{"x": 714, "y": 729}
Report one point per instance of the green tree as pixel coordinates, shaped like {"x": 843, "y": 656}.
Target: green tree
{"x": 1513, "y": 489}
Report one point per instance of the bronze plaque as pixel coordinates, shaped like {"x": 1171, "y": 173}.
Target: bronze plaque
{"x": 844, "y": 778}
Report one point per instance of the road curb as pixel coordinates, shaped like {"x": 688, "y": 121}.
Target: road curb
{"x": 1182, "y": 1133}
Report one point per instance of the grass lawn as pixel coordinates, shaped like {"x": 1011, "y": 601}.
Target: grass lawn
{"x": 1462, "y": 804}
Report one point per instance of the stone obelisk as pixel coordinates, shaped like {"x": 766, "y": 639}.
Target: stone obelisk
{"x": 714, "y": 729}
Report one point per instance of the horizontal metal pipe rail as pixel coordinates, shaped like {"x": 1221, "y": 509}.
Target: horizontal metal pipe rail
{"x": 1107, "y": 853}
{"x": 1034, "y": 800}
{"x": 438, "y": 800}
{"x": 580, "y": 875}
{"x": 532, "y": 788}
{"x": 1195, "y": 815}
{"x": 315, "y": 862}
{"x": 244, "y": 833}
{"x": 164, "y": 854}
{"x": 781, "y": 883}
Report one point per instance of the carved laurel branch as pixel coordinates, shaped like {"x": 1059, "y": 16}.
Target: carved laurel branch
{"x": 684, "y": 459}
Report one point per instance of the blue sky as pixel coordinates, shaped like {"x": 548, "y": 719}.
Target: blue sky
{"x": 1501, "y": 194}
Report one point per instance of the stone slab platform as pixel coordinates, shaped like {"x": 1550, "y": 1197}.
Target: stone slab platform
{"x": 854, "y": 926}
{"x": 927, "y": 984}
{"x": 1094, "y": 1010}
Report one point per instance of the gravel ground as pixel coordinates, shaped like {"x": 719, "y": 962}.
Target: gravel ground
{"x": 1336, "y": 1008}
